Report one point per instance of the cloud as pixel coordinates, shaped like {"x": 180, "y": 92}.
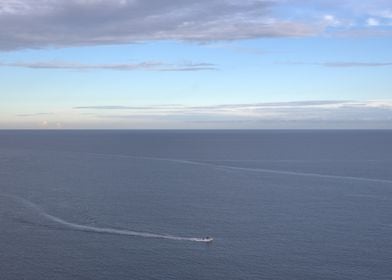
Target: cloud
{"x": 189, "y": 67}
{"x": 62, "y": 23}
{"x": 329, "y": 110}
{"x": 33, "y": 115}
{"x": 219, "y": 107}
{"x": 373, "y": 22}
{"x": 385, "y": 14}
{"x": 149, "y": 66}
{"x": 110, "y": 107}
{"x": 343, "y": 64}
{"x": 332, "y": 114}
{"x": 355, "y": 64}
{"x": 331, "y": 20}
{"x": 66, "y": 23}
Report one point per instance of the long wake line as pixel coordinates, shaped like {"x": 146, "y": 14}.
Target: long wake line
{"x": 111, "y": 231}
{"x": 261, "y": 170}
{"x": 304, "y": 174}
{"x": 246, "y": 169}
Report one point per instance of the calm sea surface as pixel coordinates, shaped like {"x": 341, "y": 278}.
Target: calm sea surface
{"x": 132, "y": 205}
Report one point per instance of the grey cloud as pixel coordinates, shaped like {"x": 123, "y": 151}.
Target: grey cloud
{"x": 34, "y": 115}
{"x": 298, "y": 103}
{"x": 61, "y": 23}
{"x": 291, "y": 104}
{"x": 108, "y": 107}
{"x": 343, "y": 64}
{"x": 190, "y": 67}
{"x": 356, "y": 64}
{"x": 149, "y": 66}
{"x": 64, "y": 23}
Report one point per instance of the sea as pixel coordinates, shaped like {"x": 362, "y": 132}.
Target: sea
{"x": 138, "y": 204}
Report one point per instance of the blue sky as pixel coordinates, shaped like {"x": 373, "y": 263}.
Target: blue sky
{"x": 204, "y": 64}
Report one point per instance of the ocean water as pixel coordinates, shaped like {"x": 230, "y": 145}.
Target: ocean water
{"x": 134, "y": 205}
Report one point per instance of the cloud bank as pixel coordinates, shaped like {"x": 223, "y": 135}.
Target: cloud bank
{"x": 254, "y": 114}
{"x": 330, "y": 114}
{"x": 61, "y": 23}
{"x": 67, "y": 23}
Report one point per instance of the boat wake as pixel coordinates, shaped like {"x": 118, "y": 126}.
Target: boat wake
{"x": 210, "y": 164}
{"x": 304, "y": 174}
{"x": 102, "y": 230}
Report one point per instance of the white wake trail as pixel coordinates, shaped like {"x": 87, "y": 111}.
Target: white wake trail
{"x": 304, "y": 174}
{"x": 93, "y": 229}
{"x": 260, "y": 170}
{"x": 270, "y": 171}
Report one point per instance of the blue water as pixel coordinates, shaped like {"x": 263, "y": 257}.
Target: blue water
{"x": 279, "y": 204}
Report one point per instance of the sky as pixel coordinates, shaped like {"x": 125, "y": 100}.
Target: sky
{"x": 206, "y": 64}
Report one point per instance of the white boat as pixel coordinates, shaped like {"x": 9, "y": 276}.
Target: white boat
{"x": 207, "y": 239}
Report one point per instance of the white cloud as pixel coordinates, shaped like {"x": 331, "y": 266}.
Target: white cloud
{"x": 331, "y": 20}
{"x": 372, "y": 22}
{"x": 380, "y": 110}
{"x": 299, "y": 114}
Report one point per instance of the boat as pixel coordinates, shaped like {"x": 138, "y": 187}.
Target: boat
{"x": 207, "y": 239}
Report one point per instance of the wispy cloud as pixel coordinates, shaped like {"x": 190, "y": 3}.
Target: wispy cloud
{"x": 329, "y": 110}
{"x": 296, "y": 114}
{"x": 343, "y": 64}
{"x": 219, "y": 107}
{"x": 33, "y": 115}
{"x": 355, "y": 64}
{"x": 146, "y": 66}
